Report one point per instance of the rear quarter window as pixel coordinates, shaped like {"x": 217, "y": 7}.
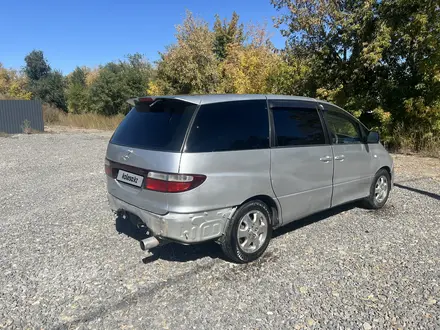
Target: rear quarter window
{"x": 160, "y": 126}
{"x": 229, "y": 126}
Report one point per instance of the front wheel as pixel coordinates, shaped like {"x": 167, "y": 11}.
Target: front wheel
{"x": 379, "y": 190}
{"x": 248, "y": 232}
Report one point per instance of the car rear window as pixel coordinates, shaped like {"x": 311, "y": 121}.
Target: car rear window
{"x": 228, "y": 126}
{"x": 161, "y": 125}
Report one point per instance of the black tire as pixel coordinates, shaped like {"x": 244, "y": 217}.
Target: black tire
{"x": 230, "y": 242}
{"x": 371, "y": 202}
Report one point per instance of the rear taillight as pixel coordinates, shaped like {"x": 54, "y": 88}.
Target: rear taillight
{"x": 166, "y": 182}
{"x": 108, "y": 168}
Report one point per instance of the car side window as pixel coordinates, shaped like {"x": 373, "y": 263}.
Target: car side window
{"x": 297, "y": 126}
{"x": 342, "y": 128}
{"x": 229, "y": 126}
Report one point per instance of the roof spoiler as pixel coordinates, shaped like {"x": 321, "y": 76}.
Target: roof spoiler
{"x": 149, "y": 99}
{"x": 132, "y": 101}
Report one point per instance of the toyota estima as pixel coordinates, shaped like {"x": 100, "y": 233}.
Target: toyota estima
{"x": 232, "y": 168}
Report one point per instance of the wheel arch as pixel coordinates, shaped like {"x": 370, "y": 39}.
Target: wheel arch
{"x": 386, "y": 168}
{"x": 274, "y": 208}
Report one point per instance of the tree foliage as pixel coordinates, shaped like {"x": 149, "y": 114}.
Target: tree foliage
{"x": 117, "y": 82}
{"x": 380, "y": 56}
{"x": 252, "y": 66}
{"x": 45, "y": 84}
{"x": 36, "y": 65}
{"x": 189, "y": 66}
{"x": 379, "y": 59}
{"x": 291, "y": 75}
{"x": 102, "y": 90}
{"x": 50, "y": 89}
{"x": 77, "y": 92}
{"x": 227, "y": 33}
{"x": 249, "y": 69}
{"x": 228, "y": 59}
{"x": 13, "y": 85}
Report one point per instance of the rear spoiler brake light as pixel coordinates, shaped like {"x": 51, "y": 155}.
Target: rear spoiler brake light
{"x": 147, "y": 99}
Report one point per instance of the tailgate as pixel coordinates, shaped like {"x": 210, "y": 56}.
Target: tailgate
{"x": 138, "y": 162}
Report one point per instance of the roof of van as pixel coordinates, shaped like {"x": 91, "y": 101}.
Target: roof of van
{"x": 214, "y": 98}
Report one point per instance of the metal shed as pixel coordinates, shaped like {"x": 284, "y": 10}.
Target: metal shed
{"x": 14, "y": 113}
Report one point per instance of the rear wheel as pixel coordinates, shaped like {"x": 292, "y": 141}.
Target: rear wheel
{"x": 379, "y": 190}
{"x": 248, "y": 233}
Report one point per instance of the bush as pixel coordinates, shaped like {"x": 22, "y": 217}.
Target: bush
{"x": 52, "y": 115}
{"x": 26, "y": 127}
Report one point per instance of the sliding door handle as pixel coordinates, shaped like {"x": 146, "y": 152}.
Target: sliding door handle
{"x": 325, "y": 159}
{"x": 340, "y": 157}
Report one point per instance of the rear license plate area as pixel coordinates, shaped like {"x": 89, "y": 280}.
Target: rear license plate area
{"x": 130, "y": 178}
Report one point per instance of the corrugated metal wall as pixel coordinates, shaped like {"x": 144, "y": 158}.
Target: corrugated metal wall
{"x": 13, "y": 113}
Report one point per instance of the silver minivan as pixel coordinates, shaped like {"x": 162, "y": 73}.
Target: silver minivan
{"x": 232, "y": 168}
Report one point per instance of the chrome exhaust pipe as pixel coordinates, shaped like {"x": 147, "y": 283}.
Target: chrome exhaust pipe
{"x": 149, "y": 243}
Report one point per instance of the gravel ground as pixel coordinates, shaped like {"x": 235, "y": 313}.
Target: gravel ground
{"x": 67, "y": 262}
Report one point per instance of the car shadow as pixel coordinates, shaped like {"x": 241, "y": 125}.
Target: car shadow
{"x": 129, "y": 226}
{"x": 419, "y": 191}
{"x": 170, "y": 251}
{"x": 183, "y": 253}
{"x": 323, "y": 215}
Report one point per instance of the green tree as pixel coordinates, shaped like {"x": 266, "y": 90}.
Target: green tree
{"x": 117, "y": 82}
{"x": 36, "y": 65}
{"x": 50, "y": 89}
{"x": 332, "y": 34}
{"x": 45, "y": 84}
{"x": 77, "y": 92}
{"x": 380, "y": 56}
{"x": 189, "y": 66}
{"x": 412, "y": 65}
{"x": 291, "y": 75}
{"x": 226, "y": 33}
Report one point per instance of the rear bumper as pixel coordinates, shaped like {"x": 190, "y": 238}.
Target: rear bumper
{"x": 186, "y": 228}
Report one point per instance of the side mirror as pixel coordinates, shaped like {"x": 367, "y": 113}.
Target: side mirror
{"x": 373, "y": 137}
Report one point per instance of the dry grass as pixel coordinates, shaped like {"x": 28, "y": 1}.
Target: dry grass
{"x": 415, "y": 142}
{"x": 416, "y": 166}
{"x": 91, "y": 121}
{"x": 4, "y": 135}
{"x": 53, "y": 116}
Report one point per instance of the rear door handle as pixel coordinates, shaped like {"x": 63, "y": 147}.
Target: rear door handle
{"x": 340, "y": 157}
{"x": 325, "y": 159}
